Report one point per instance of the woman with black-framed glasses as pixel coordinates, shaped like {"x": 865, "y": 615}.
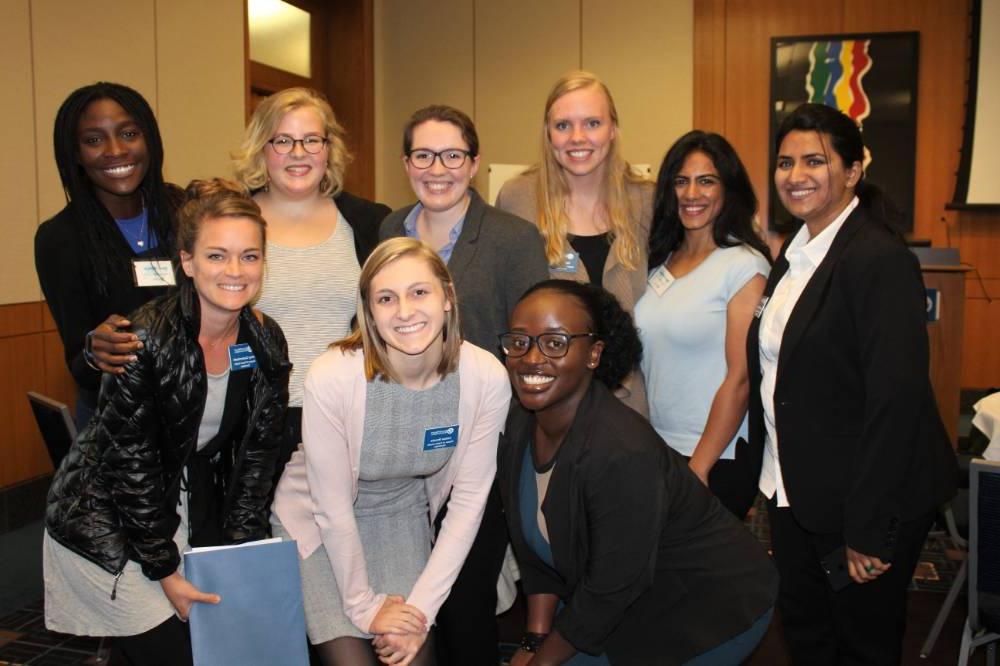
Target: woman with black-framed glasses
{"x": 293, "y": 158}
{"x": 626, "y": 557}
{"x": 493, "y": 258}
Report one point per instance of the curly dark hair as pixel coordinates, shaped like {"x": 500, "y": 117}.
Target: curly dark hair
{"x": 97, "y": 227}
{"x": 734, "y": 224}
{"x": 609, "y": 321}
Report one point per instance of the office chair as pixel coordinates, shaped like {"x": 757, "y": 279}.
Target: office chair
{"x": 983, "y": 623}
{"x": 56, "y": 425}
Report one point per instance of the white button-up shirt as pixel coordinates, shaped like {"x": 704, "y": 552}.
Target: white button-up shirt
{"x": 804, "y": 255}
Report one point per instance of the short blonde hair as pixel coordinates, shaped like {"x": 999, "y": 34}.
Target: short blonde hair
{"x": 553, "y": 188}
{"x": 366, "y": 336}
{"x": 248, "y": 161}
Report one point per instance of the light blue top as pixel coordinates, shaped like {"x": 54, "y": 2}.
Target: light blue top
{"x": 683, "y": 332}
{"x": 410, "y": 228}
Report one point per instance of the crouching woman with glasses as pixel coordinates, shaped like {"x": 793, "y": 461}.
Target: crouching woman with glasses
{"x": 626, "y": 557}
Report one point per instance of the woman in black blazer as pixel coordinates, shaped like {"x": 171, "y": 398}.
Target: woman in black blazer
{"x": 856, "y": 457}
{"x": 624, "y": 553}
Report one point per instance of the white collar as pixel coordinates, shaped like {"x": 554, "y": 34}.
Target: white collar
{"x": 803, "y": 250}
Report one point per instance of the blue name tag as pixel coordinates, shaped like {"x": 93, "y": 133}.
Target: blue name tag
{"x": 568, "y": 265}
{"x": 440, "y": 438}
{"x": 241, "y": 357}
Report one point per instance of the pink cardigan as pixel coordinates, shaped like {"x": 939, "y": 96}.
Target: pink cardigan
{"x": 315, "y": 497}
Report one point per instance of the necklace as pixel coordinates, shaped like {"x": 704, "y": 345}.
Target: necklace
{"x": 224, "y": 336}
{"x": 138, "y": 241}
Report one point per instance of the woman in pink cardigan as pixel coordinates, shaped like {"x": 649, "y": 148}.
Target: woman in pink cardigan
{"x": 396, "y": 417}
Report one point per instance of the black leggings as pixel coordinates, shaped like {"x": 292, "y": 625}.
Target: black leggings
{"x": 167, "y": 644}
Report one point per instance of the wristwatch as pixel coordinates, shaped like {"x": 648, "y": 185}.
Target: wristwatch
{"x": 530, "y": 642}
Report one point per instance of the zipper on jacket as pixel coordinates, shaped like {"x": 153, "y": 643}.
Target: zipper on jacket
{"x": 114, "y": 588}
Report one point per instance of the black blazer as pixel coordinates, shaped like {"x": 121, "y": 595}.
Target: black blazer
{"x": 650, "y": 566}
{"x": 497, "y": 257}
{"x": 364, "y": 218}
{"x": 860, "y": 441}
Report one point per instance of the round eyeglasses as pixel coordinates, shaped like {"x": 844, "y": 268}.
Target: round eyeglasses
{"x": 553, "y": 345}
{"x": 312, "y": 144}
{"x": 451, "y": 158}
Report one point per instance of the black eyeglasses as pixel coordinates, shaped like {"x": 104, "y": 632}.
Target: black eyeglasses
{"x": 451, "y": 158}
{"x": 553, "y": 345}
{"x": 312, "y": 144}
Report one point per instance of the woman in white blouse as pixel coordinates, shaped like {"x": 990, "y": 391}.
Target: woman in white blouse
{"x": 856, "y": 459}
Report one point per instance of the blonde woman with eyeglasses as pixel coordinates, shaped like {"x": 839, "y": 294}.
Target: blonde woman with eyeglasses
{"x": 592, "y": 209}
{"x": 293, "y": 158}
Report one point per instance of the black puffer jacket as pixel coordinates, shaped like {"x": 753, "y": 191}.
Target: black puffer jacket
{"x": 114, "y": 496}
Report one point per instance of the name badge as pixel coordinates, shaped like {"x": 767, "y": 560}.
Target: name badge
{"x": 440, "y": 438}
{"x": 760, "y": 307}
{"x": 568, "y": 265}
{"x": 241, "y": 357}
{"x": 150, "y": 273}
{"x": 660, "y": 280}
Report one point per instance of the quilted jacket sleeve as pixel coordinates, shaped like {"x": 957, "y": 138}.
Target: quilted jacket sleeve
{"x": 134, "y": 465}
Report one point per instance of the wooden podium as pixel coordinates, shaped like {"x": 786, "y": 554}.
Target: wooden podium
{"x": 945, "y": 335}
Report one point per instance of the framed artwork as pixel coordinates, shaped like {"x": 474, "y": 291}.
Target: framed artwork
{"x": 870, "y": 77}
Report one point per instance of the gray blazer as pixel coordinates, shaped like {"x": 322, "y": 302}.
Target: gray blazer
{"x": 497, "y": 257}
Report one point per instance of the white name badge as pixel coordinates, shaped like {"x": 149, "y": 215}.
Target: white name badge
{"x": 760, "y": 307}
{"x": 149, "y": 273}
{"x": 660, "y": 280}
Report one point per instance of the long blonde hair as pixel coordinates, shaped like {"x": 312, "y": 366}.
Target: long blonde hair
{"x": 553, "y": 187}
{"x": 366, "y": 336}
{"x": 248, "y": 161}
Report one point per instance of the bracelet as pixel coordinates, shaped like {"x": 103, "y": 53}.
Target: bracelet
{"x": 88, "y": 351}
{"x": 530, "y": 642}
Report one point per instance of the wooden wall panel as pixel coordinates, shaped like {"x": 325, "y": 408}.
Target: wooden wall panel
{"x": 31, "y": 359}
{"x": 940, "y": 95}
{"x": 423, "y": 55}
{"x": 740, "y": 86}
{"x": 22, "y": 456}
{"x": 980, "y": 351}
{"x": 200, "y": 109}
{"x": 67, "y": 56}
{"x": 647, "y": 66}
{"x": 522, "y": 47}
{"x": 709, "y": 61}
{"x": 17, "y": 178}
{"x": 20, "y": 319}
{"x": 350, "y": 83}
{"x": 750, "y": 24}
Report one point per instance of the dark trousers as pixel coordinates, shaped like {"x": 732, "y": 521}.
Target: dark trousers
{"x": 860, "y": 624}
{"x": 466, "y": 624}
{"x": 167, "y": 644}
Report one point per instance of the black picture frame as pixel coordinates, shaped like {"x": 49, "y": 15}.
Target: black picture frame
{"x": 886, "y": 85}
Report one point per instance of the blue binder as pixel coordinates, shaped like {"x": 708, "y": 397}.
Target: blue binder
{"x": 260, "y": 620}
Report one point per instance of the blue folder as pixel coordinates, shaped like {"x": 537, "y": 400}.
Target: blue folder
{"x": 260, "y": 620}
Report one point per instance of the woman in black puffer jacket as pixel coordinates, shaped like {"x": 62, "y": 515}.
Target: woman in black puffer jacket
{"x": 183, "y": 445}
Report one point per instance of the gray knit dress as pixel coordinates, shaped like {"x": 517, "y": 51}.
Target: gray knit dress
{"x": 392, "y": 506}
